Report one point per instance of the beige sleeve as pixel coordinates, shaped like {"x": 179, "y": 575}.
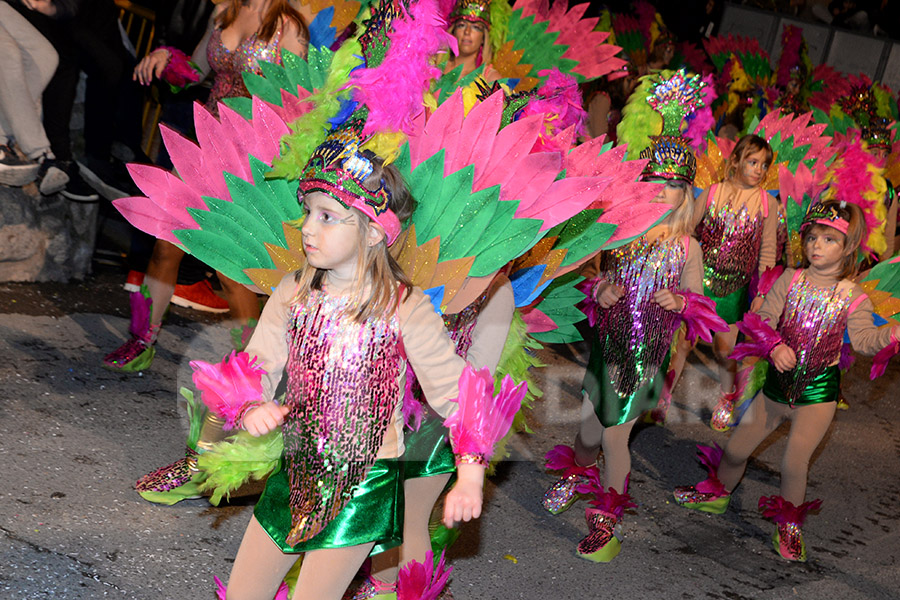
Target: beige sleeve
{"x": 492, "y": 328}
{"x": 768, "y": 247}
{"x": 865, "y": 337}
{"x": 692, "y": 274}
{"x": 269, "y": 340}
{"x": 699, "y": 209}
{"x": 430, "y": 352}
{"x": 773, "y": 305}
{"x": 890, "y": 228}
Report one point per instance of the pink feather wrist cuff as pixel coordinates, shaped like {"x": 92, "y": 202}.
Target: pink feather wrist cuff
{"x": 229, "y": 388}
{"x": 482, "y": 419}
{"x": 700, "y": 318}
{"x": 180, "y": 71}
{"x": 764, "y": 338}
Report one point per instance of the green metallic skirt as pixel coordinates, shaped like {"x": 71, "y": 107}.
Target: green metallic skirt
{"x": 428, "y": 450}
{"x": 824, "y": 388}
{"x": 731, "y": 307}
{"x": 610, "y": 407}
{"x": 373, "y": 514}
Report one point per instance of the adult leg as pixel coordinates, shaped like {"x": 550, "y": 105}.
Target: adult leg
{"x": 243, "y": 303}
{"x": 162, "y": 274}
{"x": 762, "y": 418}
{"x": 326, "y": 574}
{"x": 808, "y": 426}
{"x": 259, "y": 566}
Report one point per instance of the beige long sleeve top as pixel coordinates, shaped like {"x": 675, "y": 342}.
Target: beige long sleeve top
{"x": 865, "y": 337}
{"x": 728, "y": 193}
{"x": 427, "y": 345}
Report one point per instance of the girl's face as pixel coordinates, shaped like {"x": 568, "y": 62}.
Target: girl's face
{"x": 751, "y": 169}
{"x": 469, "y": 36}
{"x": 672, "y": 193}
{"x": 824, "y": 247}
{"x": 331, "y": 236}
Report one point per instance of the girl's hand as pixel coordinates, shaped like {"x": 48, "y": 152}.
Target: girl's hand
{"x": 264, "y": 418}
{"x": 463, "y": 502}
{"x": 667, "y": 300}
{"x": 783, "y": 358}
{"x": 607, "y": 294}
{"x": 756, "y": 304}
{"x": 151, "y": 67}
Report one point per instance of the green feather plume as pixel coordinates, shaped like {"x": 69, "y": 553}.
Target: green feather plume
{"x": 500, "y": 13}
{"x": 233, "y": 462}
{"x": 639, "y": 121}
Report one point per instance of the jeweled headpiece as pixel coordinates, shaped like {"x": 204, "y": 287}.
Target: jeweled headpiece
{"x": 877, "y": 134}
{"x": 476, "y": 11}
{"x": 670, "y": 153}
{"x": 825, "y": 214}
{"x": 338, "y": 168}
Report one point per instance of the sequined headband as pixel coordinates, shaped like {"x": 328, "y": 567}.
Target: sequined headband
{"x": 475, "y": 11}
{"x": 337, "y": 168}
{"x": 827, "y": 216}
{"x": 671, "y": 158}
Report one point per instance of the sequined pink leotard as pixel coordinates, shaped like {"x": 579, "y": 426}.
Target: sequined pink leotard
{"x": 229, "y": 65}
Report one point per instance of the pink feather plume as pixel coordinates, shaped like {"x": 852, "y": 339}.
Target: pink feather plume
{"x": 588, "y": 306}
{"x": 782, "y": 511}
{"x": 710, "y": 457}
{"x": 562, "y": 458}
{"x": 483, "y": 419}
{"x": 700, "y": 317}
{"x": 226, "y": 387}
{"x": 141, "y": 307}
{"x": 180, "y": 71}
{"x": 607, "y": 500}
{"x": 768, "y": 279}
{"x": 413, "y": 411}
{"x": 880, "y": 361}
{"x": 701, "y": 122}
{"x": 764, "y": 338}
{"x": 417, "y": 581}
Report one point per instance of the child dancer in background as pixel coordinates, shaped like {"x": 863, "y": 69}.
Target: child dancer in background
{"x": 810, "y": 308}
{"x": 341, "y": 328}
{"x": 736, "y": 224}
{"x": 640, "y": 290}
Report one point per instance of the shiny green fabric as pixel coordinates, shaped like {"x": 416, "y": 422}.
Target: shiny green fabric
{"x": 731, "y": 307}
{"x": 824, "y": 388}
{"x": 373, "y": 514}
{"x": 428, "y": 450}
{"x": 610, "y": 407}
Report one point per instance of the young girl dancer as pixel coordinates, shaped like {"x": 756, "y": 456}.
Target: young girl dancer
{"x": 736, "y": 224}
{"x": 341, "y": 328}
{"x": 810, "y": 308}
{"x": 640, "y": 291}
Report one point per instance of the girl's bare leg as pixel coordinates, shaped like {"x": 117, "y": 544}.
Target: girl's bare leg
{"x": 590, "y": 434}
{"x": 723, "y": 346}
{"x": 326, "y": 574}
{"x": 808, "y": 426}
{"x": 259, "y": 567}
{"x": 617, "y": 456}
{"x": 761, "y": 419}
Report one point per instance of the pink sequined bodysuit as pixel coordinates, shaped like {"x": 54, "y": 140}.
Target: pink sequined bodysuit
{"x": 636, "y": 332}
{"x": 812, "y": 324}
{"x": 731, "y": 240}
{"x": 343, "y": 385}
{"x": 229, "y": 65}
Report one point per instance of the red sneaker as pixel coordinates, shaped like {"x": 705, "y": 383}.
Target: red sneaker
{"x": 199, "y": 296}
{"x": 133, "y": 281}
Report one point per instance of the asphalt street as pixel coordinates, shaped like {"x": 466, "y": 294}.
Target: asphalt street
{"x": 75, "y": 437}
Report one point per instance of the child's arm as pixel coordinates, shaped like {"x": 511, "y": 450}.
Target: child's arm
{"x": 768, "y": 247}
{"x": 866, "y": 337}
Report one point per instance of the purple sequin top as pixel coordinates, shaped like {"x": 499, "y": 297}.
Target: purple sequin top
{"x": 229, "y": 65}
{"x": 343, "y": 388}
{"x": 635, "y": 332}
{"x": 731, "y": 240}
{"x": 812, "y": 324}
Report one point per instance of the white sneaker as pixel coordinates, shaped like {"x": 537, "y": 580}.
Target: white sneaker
{"x": 16, "y": 171}
{"x": 52, "y": 179}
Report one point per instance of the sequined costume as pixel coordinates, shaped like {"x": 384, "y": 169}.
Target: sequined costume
{"x": 737, "y": 239}
{"x": 339, "y": 483}
{"x": 812, "y": 315}
{"x": 630, "y": 350}
{"x": 229, "y": 65}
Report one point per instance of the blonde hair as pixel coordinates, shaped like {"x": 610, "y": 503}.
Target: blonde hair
{"x": 856, "y": 229}
{"x": 377, "y": 276}
{"x": 748, "y": 144}
{"x": 681, "y": 219}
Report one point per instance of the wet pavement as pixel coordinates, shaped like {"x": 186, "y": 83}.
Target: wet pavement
{"x": 75, "y": 437}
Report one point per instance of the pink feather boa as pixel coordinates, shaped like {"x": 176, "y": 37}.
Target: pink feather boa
{"x": 417, "y": 581}
{"x": 791, "y": 47}
{"x": 781, "y": 511}
{"x": 559, "y": 102}
{"x": 700, "y": 318}
{"x": 483, "y": 419}
{"x": 879, "y": 363}
{"x": 180, "y": 71}
{"x": 227, "y": 387}
{"x": 764, "y": 338}
{"x": 701, "y": 122}
{"x": 394, "y": 89}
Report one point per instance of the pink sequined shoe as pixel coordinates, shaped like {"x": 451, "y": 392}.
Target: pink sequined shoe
{"x": 788, "y": 537}
{"x": 723, "y": 413}
{"x": 604, "y": 540}
{"x": 709, "y": 495}
{"x": 562, "y": 495}
{"x": 172, "y": 483}
{"x": 373, "y": 589}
